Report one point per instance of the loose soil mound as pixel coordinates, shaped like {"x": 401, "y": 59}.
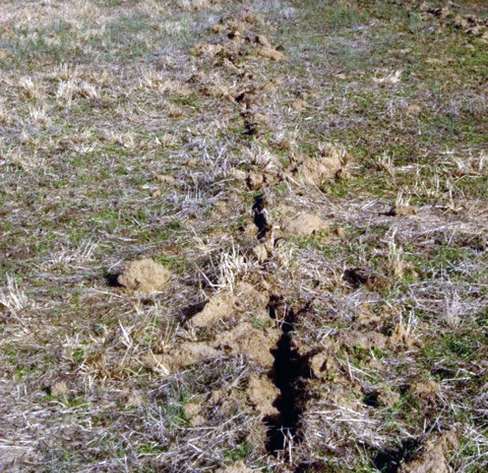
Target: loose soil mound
{"x": 220, "y": 306}
{"x": 144, "y": 276}
{"x": 253, "y": 343}
{"x": 433, "y": 458}
{"x": 304, "y": 225}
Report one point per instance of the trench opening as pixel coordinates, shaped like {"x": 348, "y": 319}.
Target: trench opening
{"x": 390, "y": 459}
{"x": 260, "y": 217}
{"x": 288, "y": 374}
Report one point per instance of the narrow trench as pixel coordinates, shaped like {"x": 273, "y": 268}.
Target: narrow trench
{"x": 260, "y": 217}
{"x": 288, "y": 372}
{"x": 287, "y": 375}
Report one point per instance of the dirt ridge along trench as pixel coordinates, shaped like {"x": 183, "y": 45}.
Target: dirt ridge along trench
{"x": 289, "y": 369}
{"x": 288, "y": 373}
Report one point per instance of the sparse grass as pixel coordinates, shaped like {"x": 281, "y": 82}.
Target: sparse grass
{"x": 114, "y": 149}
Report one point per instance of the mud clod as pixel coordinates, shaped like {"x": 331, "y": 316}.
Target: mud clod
{"x": 304, "y": 225}
{"x": 144, "y": 276}
{"x": 253, "y": 343}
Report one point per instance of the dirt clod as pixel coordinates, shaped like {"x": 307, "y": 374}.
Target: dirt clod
{"x": 186, "y": 354}
{"x": 322, "y": 365}
{"x": 401, "y": 210}
{"x": 262, "y": 393}
{"x": 251, "y": 302}
{"x": 402, "y": 337}
{"x": 253, "y": 343}
{"x": 304, "y": 225}
{"x": 433, "y": 458}
{"x": 59, "y": 389}
{"x": 165, "y": 179}
{"x": 426, "y": 389}
{"x": 271, "y": 53}
{"x": 237, "y": 467}
{"x": 217, "y": 91}
{"x": 218, "y": 307}
{"x": 299, "y": 105}
{"x": 318, "y": 170}
{"x": 144, "y": 276}
{"x": 263, "y": 41}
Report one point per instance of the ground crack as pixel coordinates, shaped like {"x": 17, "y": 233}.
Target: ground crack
{"x": 260, "y": 217}
{"x": 288, "y": 374}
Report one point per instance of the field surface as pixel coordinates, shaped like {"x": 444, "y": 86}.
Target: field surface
{"x": 243, "y": 236}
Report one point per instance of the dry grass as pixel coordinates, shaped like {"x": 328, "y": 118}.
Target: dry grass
{"x": 148, "y": 129}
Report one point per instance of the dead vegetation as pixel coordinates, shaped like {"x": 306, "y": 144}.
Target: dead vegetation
{"x": 243, "y": 237}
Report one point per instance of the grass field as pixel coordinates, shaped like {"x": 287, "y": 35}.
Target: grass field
{"x": 313, "y": 175}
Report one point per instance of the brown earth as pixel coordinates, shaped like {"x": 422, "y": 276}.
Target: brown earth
{"x": 433, "y": 458}
{"x": 144, "y": 276}
{"x": 253, "y": 343}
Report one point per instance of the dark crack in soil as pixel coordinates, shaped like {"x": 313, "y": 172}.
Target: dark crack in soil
{"x": 260, "y": 217}
{"x": 289, "y": 373}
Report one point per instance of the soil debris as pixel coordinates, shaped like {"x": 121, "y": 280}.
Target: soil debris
{"x": 218, "y": 91}
{"x": 299, "y": 105}
{"x": 262, "y": 393}
{"x": 263, "y": 41}
{"x": 304, "y": 225}
{"x": 59, "y": 389}
{"x": 219, "y": 306}
{"x": 251, "y": 302}
{"x": 433, "y": 458}
{"x": 330, "y": 162}
{"x": 185, "y": 354}
{"x": 165, "y": 179}
{"x": 271, "y": 53}
{"x": 426, "y": 389}
{"x": 237, "y": 467}
{"x": 357, "y": 277}
{"x": 401, "y": 210}
{"x": 144, "y": 276}
{"x": 253, "y": 343}
{"x": 322, "y": 364}
{"x": 192, "y": 413}
{"x": 401, "y": 337}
